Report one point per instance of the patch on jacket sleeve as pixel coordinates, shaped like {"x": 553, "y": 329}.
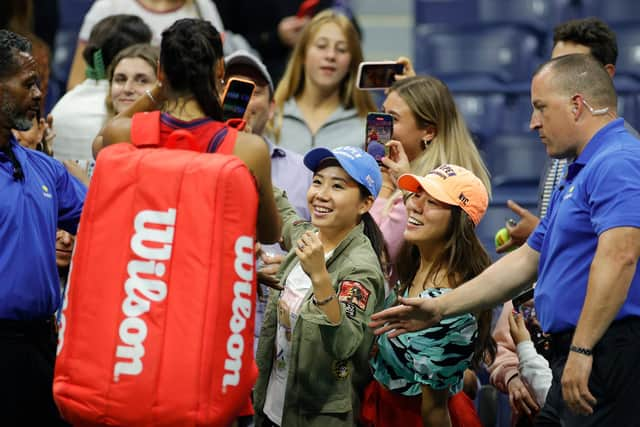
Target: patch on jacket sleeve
{"x": 354, "y": 293}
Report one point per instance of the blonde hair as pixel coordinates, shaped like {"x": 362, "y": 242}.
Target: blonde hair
{"x": 431, "y": 103}
{"x": 292, "y": 82}
{"x": 150, "y": 54}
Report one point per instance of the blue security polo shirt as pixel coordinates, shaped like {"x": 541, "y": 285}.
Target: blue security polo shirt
{"x": 30, "y": 211}
{"x": 600, "y": 191}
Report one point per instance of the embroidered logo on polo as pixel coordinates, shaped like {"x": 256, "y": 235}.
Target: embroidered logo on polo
{"x": 45, "y": 191}
{"x": 569, "y": 193}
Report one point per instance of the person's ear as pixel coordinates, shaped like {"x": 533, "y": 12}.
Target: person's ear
{"x": 430, "y": 132}
{"x": 610, "y": 69}
{"x": 220, "y": 69}
{"x": 576, "y": 102}
{"x": 366, "y": 205}
{"x": 161, "y": 76}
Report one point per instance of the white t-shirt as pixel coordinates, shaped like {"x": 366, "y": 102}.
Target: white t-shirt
{"x": 77, "y": 118}
{"x": 157, "y": 21}
{"x": 296, "y": 287}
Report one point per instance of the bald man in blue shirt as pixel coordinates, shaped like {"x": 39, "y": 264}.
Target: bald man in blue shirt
{"x": 37, "y": 195}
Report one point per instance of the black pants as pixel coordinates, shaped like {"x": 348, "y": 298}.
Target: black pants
{"x": 614, "y": 380}
{"x": 27, "y": 357}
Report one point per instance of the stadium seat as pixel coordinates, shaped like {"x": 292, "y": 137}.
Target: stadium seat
{"x": 515, "y": 158}
{"x": 483, "y": 113}
{"x": 450, "y": 12}
{"x": 541, "y": 15}
{"x": 628, "y": 36}
{"x": 506, "y": 53}
{"x": 517, "y": 113}
{"x": 613, "y": 12}
{"x": 628, "y": 108}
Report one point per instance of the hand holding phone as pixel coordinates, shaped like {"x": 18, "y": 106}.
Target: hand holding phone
{"x": 378, "y": 132}
{"x": 378, "y": 75}
{"x": 235, "y": 100}
{"x": 520, "y": 299}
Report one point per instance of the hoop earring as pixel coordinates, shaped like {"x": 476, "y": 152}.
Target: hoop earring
{"x": 425, "y": 143}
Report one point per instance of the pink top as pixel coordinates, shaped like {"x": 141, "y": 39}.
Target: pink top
{"x": 392, "y": 224}
{"x": 505, "y": 365}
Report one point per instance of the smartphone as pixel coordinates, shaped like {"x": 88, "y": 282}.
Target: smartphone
{"x": 307, "y": 8}
{"x": 378, "y": 133}
{"x": 378, "y": 75}
{"x": 237, "y": 95}
{"x": 521, "y": 299}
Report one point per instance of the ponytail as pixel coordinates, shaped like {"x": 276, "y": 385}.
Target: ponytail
{"x": 189, "y": 53}
{"x": 373, "y": 233}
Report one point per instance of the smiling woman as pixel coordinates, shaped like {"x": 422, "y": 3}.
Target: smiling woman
{"x": 132, "y": 72}
{"x": 417, "y": 374}
{"x": 317, "y": 104}
{"x": 314, "y": 343}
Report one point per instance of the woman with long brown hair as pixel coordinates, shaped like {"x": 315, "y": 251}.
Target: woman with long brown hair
{"x": 416, "y": 373}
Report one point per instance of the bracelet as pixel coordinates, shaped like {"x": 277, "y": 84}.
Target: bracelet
{"x": 581, "y": 350}
{"x": 517, "y": 374}
{"x": 322, "y": 302}
{"x": 148, "y": 93}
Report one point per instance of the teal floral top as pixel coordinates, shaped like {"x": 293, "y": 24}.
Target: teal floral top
{"x": 437, "y": 356}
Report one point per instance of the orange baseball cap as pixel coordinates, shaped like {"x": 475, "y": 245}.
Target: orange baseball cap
{"x": 453, "y": 185}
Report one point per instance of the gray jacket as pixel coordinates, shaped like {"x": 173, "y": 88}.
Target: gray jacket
{"x": 343, "y": 127}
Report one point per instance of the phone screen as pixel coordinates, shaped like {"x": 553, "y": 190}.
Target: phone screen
{"x": 521, "y": 299}
{"x": 236, "y": 98}
{"x": 376, "y": 75}
{"x": 378, "y": 133}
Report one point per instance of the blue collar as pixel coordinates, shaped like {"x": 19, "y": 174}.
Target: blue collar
{"x": 595, "y": 145}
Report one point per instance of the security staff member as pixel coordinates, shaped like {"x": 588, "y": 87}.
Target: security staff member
{"x": 36, "y": 196}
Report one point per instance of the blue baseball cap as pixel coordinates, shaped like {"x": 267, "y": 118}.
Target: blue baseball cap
{"x": 360, "y": 165}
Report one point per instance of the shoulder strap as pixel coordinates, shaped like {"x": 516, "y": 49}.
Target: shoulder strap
{"x": 145, "y": 129}
{"x": 223, "y": 141}
{"x": 217, "y": 139}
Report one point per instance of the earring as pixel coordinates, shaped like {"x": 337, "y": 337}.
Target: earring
{"x": 425, "y": 143}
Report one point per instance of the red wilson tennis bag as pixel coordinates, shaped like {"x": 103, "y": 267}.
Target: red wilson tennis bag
{"x": 157, "y": 321}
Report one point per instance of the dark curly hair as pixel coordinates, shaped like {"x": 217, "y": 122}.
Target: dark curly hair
{"x": 590, "y": 32}
{"x": 189, "y": 52}
{"x": 10, "y": 44}
{"x": 114, "y": 33}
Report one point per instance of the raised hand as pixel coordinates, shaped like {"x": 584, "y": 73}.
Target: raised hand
{"x": 520, "y": 231}
{"x": 413, "y": 314}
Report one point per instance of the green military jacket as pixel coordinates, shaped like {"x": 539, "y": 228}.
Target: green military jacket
{"x": 328, "y": 366}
